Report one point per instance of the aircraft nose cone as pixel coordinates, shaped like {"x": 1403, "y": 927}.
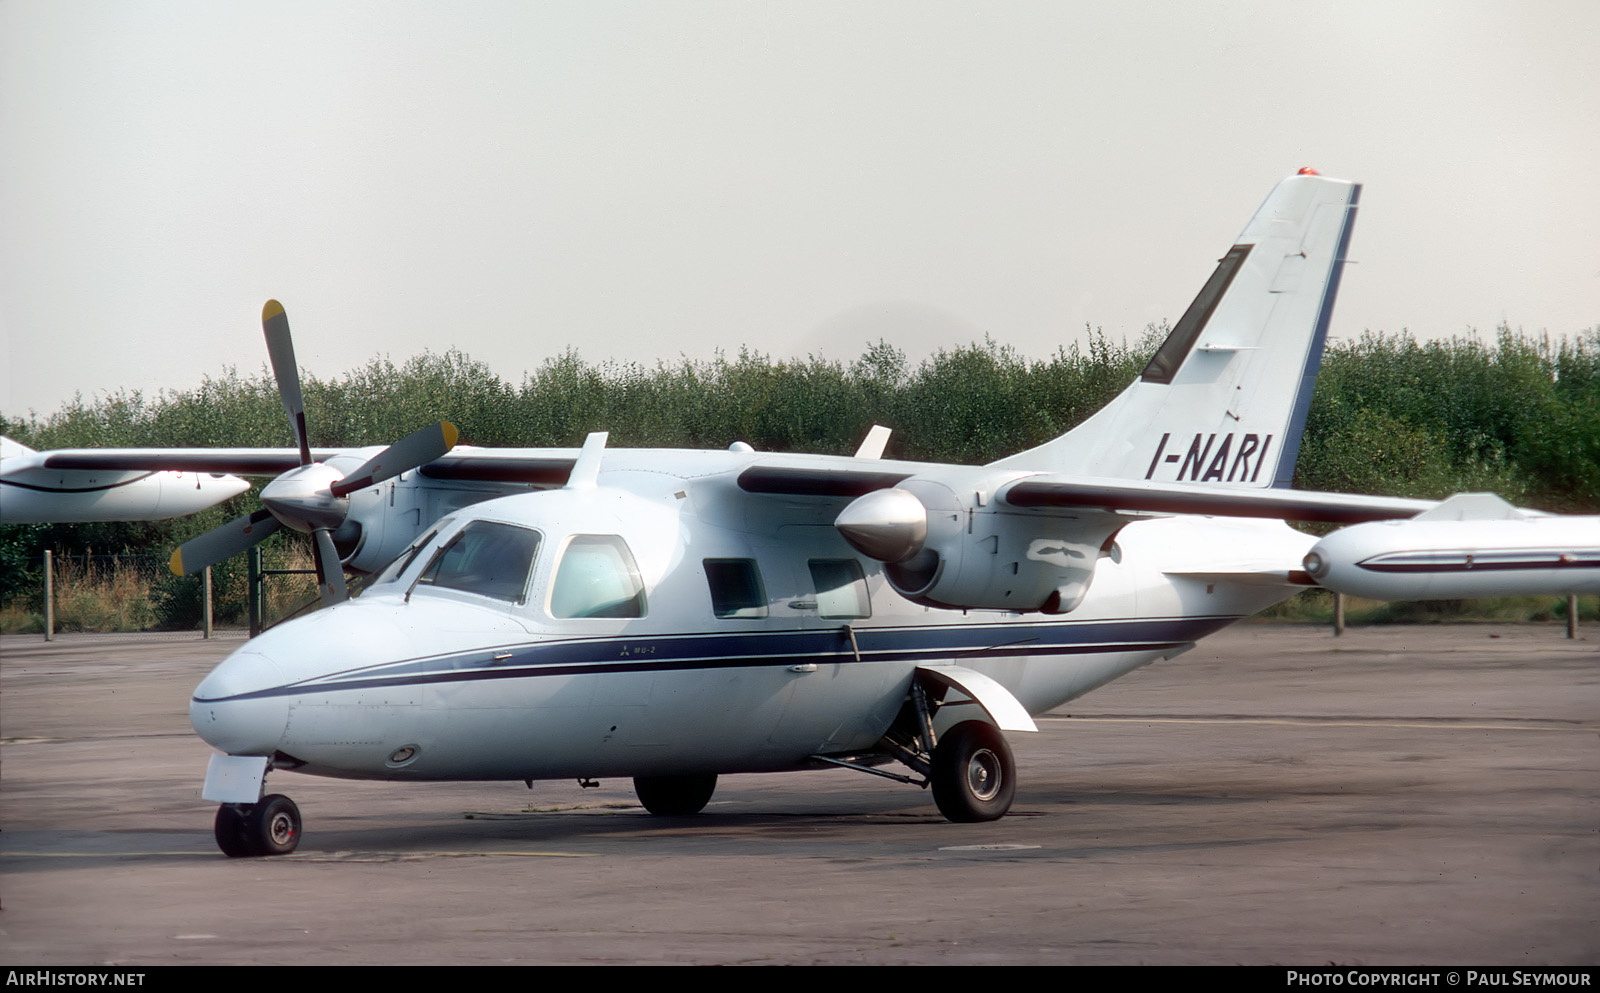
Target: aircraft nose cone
{"x": 234, "y": 708}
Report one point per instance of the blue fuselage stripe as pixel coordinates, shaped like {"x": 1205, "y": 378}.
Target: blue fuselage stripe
{"x": 646, "y": 653}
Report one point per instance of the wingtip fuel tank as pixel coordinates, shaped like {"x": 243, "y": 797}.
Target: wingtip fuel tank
{"x": 1457, "y": 559}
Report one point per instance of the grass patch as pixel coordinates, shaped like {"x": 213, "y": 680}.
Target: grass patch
{"x": 92, "y": 596}
{"x": 1316, "y": 607}
{"x": 98, "y": 598}
{"x": 18, "y": 619}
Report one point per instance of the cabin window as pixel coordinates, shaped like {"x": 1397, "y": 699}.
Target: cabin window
{"x": 486, "y": 558}
{"x": 841, "y": 588}
{"x": 736, "y": 589}
{"x": 597, "y": 577}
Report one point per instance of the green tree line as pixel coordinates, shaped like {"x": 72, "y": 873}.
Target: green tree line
{"x": 1519, "y": 415}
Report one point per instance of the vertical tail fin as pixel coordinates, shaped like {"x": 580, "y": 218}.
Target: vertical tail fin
{"x": 1225, "y": 397}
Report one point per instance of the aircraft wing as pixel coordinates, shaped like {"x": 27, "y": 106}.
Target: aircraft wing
{"x": 510, "y": 465}
{"x": 1056, "y": 492}
{"x": 242, "y": 461}
{"x": 1072, "y": 496}
{"x": 993, "y": 537}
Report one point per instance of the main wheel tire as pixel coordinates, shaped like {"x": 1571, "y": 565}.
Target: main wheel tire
{"x": 674, "y": 796}
{"x": 274, "y": 825}
{"x": 232, "y": 831}
{"x": 974, "y": 776}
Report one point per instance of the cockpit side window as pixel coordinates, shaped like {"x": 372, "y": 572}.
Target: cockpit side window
{"x": 402, "y": 562}
{"x": 487, "y": 558}
{"x": 597, "y": 577}
{"x": 841, "y": 588}
{"x": 736, "y": 589}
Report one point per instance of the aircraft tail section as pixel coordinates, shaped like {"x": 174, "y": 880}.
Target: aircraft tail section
{"x": 1224, "y": 399}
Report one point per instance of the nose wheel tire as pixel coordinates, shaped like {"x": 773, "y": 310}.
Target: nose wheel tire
{"x": 270, "y": 827}
{"x": 674, "y": 796}
{"x": 974, "y": 776}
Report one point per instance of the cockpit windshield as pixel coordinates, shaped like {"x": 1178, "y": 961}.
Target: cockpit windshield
{"x": 487, "y": 558}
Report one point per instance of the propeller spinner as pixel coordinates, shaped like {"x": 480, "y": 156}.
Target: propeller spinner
{"x": 312, "y": 498}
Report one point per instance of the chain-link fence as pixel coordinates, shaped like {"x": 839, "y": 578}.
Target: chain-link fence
{"x": 138, "y": 592}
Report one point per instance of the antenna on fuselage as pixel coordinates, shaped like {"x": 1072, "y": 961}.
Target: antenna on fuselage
{"x": 873, "y": 444}
{"x": 586, "y": 470}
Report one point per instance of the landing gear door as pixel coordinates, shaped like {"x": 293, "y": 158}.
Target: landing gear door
{"x": 234, "y": 778}
{"x": 1005, "y": 710}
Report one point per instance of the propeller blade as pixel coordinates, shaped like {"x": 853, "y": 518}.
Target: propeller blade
{"x": 280, "y": 350}
{"x": 330, "y": 572}
{"x": 222, "y": 542}
{"x": 415, "y": 449}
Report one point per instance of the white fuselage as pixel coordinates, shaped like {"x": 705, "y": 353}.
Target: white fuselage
{"x": 411, "y": 681}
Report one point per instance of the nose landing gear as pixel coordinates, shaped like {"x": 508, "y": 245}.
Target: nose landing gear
{"x": 270, "y": 826}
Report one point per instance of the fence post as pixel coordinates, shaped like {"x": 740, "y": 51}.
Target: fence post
{"x": 253, "y": 594}
{"x": 1338, "y": 614}
{"x": 206, "y": 597}
{"x": 1572, "y": 616}
{"x": 49, "y": 598}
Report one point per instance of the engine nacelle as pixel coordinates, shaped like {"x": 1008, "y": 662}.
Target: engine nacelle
{"x": 1447, "y": 560}
{"x": 962, "y": 550}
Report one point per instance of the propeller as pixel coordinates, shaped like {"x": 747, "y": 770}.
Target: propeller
{"x": 312, "y": 498}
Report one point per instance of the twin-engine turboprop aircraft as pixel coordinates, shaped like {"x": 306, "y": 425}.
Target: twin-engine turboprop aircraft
{"x": 675, "y": 615}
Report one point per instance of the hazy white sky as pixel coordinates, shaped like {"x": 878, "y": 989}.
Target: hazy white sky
{"x": 648, "y": 180}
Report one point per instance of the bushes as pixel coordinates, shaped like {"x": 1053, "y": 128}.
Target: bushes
{"x": 1393, "y": 415}
{"x": 1427, "y": 419}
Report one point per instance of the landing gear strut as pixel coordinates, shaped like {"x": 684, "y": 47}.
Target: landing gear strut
{"x": 270, "y": 826}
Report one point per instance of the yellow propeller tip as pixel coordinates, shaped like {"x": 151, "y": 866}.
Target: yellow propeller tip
{"x": 450, "y": 434}
{"x": 176, "y": 562}
{"x": 271, "y": 310}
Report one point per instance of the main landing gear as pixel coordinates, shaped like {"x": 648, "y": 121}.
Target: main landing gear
{"x": 270, "y": 826}
{"x": 969, "y": 766}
